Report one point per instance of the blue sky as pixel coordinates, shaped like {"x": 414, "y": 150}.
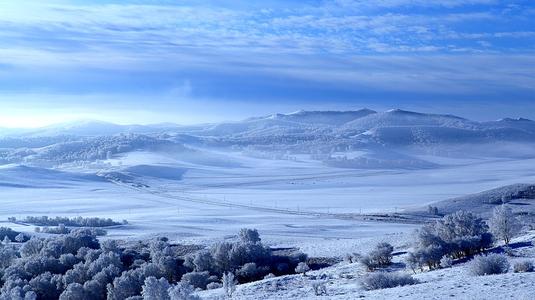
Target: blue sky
{"x": 202, "y": 61}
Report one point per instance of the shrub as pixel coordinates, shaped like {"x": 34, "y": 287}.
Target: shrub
{"x": 302, "y": 268}
{"x": 77, "y": 266}
{"x": 229, "y": 284}
{"x": 249, "y": 235}
{"x": 20, "y": 238}
{"x": 523, "y": 266}
{"x": 196, "y": 279}
{"x": 352, "y": 257}
{"x": 8, "y": 233}
{"x": 182, "y": 291}
{"x": 489, "y": 264}
{"x": 213, "y": 285}
{"x": 249, "y": 272}
{"x": 60, "y": 229}
{"x": 319, "y": 287}
{"x": 155, "y": 289}
{"x": 381, "y": 256}
{"x": 446, "y": 262}
{"x": 383, "y": 280}
{"x": 72, "y": 222}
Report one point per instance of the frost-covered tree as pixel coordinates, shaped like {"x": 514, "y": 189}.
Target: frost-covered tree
{"x": 46, "y": 285}
{"x": 503, "y": 223}
{"x": 18, "y": 293}
{"x": 155, "y": 289}
{"x": 229, "y": 284}
{"x": 203, "y": 261}
{"x": 20, "y": 238}
{"x": 182, "y": 291}
{"x": 7, "y": 256}
{"x": 109, "y": 246}
{"x": 456, "y": 235}
{"x": 249, "y": 235}
{"x": 75, "y": 291}
{"x": 220, "y": 252}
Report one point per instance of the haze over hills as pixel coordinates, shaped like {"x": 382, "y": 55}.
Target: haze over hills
{"x": 389, "y": 139}
{"x": 361, "y": 120}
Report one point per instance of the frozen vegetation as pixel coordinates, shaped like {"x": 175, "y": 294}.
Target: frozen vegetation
{"x": 76, "y": 265}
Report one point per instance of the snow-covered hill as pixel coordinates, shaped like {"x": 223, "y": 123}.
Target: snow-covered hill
{"x": 520, "y": 196}
{"x": 390, "y": 139}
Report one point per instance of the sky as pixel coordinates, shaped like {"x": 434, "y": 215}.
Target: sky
{"x": 207, "y": 61}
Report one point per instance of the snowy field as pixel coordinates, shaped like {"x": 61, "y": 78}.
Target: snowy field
{"x": 202, "y": 202}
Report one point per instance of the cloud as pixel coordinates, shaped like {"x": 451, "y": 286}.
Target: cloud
{"x": 276, "y": 50}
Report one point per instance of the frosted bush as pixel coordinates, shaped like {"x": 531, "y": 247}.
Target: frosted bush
{"x": 196, "y": 279}
{"x": 21, "y": 237}
{"x": 249, "y": 271}
{"x": 319, "y": 287}
{"x": 182, "y": 291}
{"x": 489, "y": 264}
{"x": 249, "y": 235}
{"x": 302, "y": 268}
{"x": 155, "y": 289}
{"x": 381, "y": 256}
{"x": 384, "y": 280}
{"x": 77, "y": 266}
{"x": 213, "y": 285}
{"x": 229, "y": 284}
{"x": 352, "y": 257}
{"x": 203, "y": 261}
{"x": 523, "y": 266}
{"x": 446, "y": 262}
{"x": 72, "y": 222}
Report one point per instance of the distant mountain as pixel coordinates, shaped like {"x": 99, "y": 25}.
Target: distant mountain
{"x": 518, "y": 124}
{"x": 297, "y": 123}
{"x": 318, "y": 133}
{"x": 402, "y": 118}
{"x": 87, "y": 128}
{"x": 334, "y": 118}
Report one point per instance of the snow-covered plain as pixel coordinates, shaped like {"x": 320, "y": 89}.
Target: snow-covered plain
{"x": 198, "y": 203}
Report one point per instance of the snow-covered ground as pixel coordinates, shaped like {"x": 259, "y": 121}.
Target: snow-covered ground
{"x": 343, "y": 282}
{"x": 199, "y": 203}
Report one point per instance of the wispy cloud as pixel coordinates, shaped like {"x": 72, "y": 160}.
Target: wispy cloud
{"x": 287, "y": 49}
